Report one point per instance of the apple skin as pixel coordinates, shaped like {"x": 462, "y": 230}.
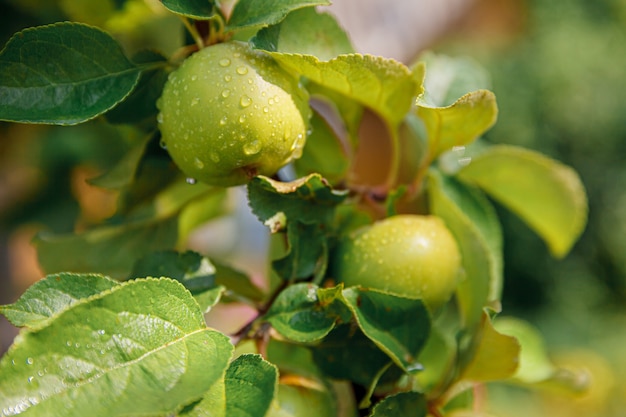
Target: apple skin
{"x": 301, "y": 401}
{"x": 229, "y": 113}
{"x": 407, "y": 255}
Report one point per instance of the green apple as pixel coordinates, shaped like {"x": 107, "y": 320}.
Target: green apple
{"x": 408, "y": 255}
{"x": 229, "y": 113}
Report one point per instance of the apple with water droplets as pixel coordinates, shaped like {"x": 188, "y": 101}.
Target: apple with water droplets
{"x": 229, "y": 113}
{"x": 408, "y": 255}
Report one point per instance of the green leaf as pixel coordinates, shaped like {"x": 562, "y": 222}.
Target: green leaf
{"x": 53, "y": 295}
{"x": 65, "y": 74}
{"x": 305, "y": 31}
{"x": 401, "y": 405}
{"x": 109, "y": 249}
{"x": 141, "y": 348}
{"x": 535, "y": 367}
{"x": 495, "y": 356}
{"x": 546, "y": 194}
{"x": 246, "y": 391}
{"x": 346, "y": 353}
{"x": 113, "y": 249}
{"x": 398, "y": 326}
{"x": 123, "y": 173}
{"x": 460, "y": 123}
{"x": 309, "y": 200}
{"x": 448, "y": 78}
{"x": 237, "y": 282}
{"x": 385, "y": 86}
{"x": 140, "y": 106}
{"x": 439, "y": 358}
{"x": 196, "y": 9}
{"x": 307, "y": 254}
{"x": 323, "y": 153}
{"x": 191, "y": 269}
{"x": 247, "y": 13}
{"x": 299, "y": 315}
{"x": 474, "y": 223}
{"x": 251, "y": 383}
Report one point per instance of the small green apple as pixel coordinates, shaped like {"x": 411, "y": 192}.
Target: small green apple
{"x": 229, "y": 113}
{"x": 408, "y": 255}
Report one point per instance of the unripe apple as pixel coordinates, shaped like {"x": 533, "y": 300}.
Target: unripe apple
{"x": 408, "y": 255}
{"x": 229, "y": 113}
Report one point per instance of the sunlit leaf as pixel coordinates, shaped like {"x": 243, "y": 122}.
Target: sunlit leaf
{"x": 535, "y": 366}
{"x": 65, "y": 73}
{"x": 52, "y": 295}
{"x": 494, "y": 357}
{"x": 248, "y": 13}
{"x": 546, "y": 194}
{"x": 116, "y": 354}
{"x": 384, "y": 85}
{"x": 459, "y": 124}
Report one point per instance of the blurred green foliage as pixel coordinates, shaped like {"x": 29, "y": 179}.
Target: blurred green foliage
{"x": 561, "y": 87}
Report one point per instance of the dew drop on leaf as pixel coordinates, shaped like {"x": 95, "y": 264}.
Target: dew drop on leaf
{"x": 191, "y": 181}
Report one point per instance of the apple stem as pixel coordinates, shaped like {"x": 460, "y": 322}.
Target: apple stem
{"x": 194, "y": 32}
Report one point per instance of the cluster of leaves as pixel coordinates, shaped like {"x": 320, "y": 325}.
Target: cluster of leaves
{"x": 92, "y": 344}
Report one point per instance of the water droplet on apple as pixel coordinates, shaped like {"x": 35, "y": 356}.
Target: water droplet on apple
{"x": 245, "y": 101}
{"x": 224, "y": 62}
{"x": 225, "y": 93}
{"x": 195, "y": 101}
{"x": 242, "y": 70}
{"x": 252, "y": 148}
{"x": 198, "y": 163}
{"x": 191, "y": 181}
{"x": 214, "y": 157}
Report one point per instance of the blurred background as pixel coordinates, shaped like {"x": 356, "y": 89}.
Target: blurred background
{"x": 558, "y": 70}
